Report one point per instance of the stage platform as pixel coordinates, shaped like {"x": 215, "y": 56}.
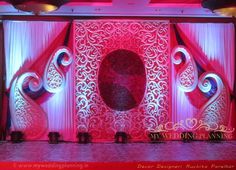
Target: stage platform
{"x": 166, "y": 155}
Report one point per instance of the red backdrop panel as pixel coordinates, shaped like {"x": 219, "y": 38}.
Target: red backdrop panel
{"x": 148, "y": 93}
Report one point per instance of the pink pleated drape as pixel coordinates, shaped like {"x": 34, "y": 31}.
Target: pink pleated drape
{"x": 28, "y": 46}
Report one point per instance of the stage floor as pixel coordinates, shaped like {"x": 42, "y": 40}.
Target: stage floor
{"x": 41, "y": 151}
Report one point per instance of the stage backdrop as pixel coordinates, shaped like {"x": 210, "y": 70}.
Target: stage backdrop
{"x": 125, "y": 75}
{"x": 122, "y": 72}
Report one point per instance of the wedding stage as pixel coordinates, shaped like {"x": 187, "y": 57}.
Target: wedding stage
{"x": 140, "y": 94}
{"x": 167, "y": 155}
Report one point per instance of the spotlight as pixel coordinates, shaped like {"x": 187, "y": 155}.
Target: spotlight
{"x": 16, "y": 136}
{"x": 225, "y": 8}
{"x": 155, "y": 137}
{"x": 37, "y": 6}
{"x": 83, "y": 137}
{"x": 187, "y": 136}
{"x": 216, "y": 136}
{"x": 53, "y": 137}
{"x": 121, "y": 137}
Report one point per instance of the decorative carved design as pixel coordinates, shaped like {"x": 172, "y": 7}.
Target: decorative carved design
{"x": 93, "y": 41}
{"x": 27, "y": 116}
{"x": 192, "y": 124}
{"x": 54, "y": 79}
{"x": 216, "y": 110}
{"x": 187, "y": 76}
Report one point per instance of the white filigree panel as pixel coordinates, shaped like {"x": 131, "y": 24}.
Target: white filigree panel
{"x": 187, "y": 75}
{"x": 93, "y": 41}
{"x": 217, "y": 108}
{"x": 26, "y": 115}
{"x": 54, "y": 79}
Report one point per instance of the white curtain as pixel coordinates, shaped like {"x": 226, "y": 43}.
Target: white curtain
{"x": 24, "y": 42}
{"x": 217, "y": 42}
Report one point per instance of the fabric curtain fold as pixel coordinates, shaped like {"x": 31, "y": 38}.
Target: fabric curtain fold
{"x": 212, "y": 46}
{"x": 179, "y": 97}
{"x": 28, "y": 46}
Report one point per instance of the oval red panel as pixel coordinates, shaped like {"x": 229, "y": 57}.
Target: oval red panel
{"x": 122, "y": 80}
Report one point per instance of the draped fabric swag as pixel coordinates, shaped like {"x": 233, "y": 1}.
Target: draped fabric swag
{"x": 28, "y": 45}
{"x": 212, "y": 46}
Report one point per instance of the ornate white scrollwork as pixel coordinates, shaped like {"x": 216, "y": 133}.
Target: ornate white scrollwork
{"x": 54, "y": 79}
{"x": 26, "y": 115}
{"x": 216, "y": 110}
{"x": 94, "y": 39}
{"x": 187, "y": 76}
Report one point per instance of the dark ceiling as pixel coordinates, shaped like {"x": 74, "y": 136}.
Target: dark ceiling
{"x": 173, "y": 8}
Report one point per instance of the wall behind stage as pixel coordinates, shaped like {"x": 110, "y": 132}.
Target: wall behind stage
{"x": 122, "y": 78}
{"x": 94, "y": 88}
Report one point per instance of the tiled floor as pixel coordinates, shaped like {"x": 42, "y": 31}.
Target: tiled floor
{"x": 111, "y": 152}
